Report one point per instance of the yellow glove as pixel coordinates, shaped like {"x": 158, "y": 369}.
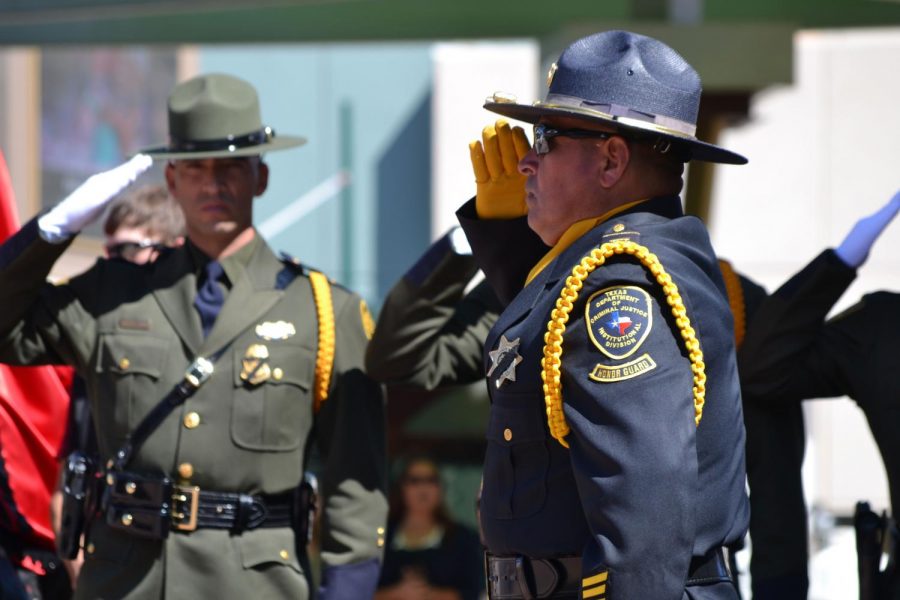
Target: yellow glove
{"x": 500, "y": 191}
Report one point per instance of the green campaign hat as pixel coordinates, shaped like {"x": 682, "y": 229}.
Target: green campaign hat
{"x": 217, "y": 116}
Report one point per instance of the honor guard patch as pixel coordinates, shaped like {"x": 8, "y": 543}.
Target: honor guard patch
{"x": 618, "y": 320}
{"x": 277, "y": 330}
{"x": 368, "y": 323}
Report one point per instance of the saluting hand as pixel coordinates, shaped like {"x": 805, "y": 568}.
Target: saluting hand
{"x": 500, "y": 187}
{"x": 854, "y": 250}
{"x": 83, "y": 206}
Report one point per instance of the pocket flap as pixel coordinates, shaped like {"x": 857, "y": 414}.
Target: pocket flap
{"x": 263, "y": 546}
{"x": 524, "y": 422}
{"x": 132, "y": 353}
{"x": 287, "y": 364}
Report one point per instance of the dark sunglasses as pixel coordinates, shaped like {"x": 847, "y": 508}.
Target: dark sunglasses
{"x": 127, "y": 250}
{"x": 543, "y": 134}
{"x": 422, "y": 480}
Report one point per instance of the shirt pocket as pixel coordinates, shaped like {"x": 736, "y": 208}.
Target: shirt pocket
{"x": 276, "y": 413}
{"x": 517, "y": 458}
{"x": 128, "y": 370}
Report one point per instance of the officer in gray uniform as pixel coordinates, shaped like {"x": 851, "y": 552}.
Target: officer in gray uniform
{"x": 199, "y": 499}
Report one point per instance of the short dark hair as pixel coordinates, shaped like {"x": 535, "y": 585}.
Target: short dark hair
{"x": 151, "y": 207}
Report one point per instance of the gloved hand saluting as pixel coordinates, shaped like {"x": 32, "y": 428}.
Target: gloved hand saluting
{"x": 500, "y": 192}
{"x": 854, "y": 250}
{"x": 83, "y": 206}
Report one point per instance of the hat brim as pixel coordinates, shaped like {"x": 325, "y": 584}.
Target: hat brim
{"x": 282, "y": 142}
{"x": 693, "y": 148}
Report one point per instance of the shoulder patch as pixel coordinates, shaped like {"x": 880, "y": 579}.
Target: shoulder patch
{"x": 618, "y": 320}
{"x": 368, "y": 323}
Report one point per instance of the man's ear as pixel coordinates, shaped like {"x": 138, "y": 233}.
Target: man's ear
{"x": 615, "y": 155}
{"x": 170, "y": 178}
{"x": 262, "y": 178}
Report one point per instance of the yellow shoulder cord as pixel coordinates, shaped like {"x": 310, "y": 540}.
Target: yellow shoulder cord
{"x": 559, "y": 316}
{"x": 735, "y": 301}
{"x": 325, "y": 354}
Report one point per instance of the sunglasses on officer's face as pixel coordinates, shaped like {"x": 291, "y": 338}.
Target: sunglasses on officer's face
{"x": 127, "y": 250}
{"x": 543, "y": 134}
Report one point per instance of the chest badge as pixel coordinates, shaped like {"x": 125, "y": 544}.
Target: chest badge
{"x": 618, "y": 320}
{"x": 275, "y": 330}
{"x": 255, "y": 368}
{"x": 505, "y": 357}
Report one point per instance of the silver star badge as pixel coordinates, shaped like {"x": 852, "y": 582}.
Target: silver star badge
{"x": 503, "y": 349}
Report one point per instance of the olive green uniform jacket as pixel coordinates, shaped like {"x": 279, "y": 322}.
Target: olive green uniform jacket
{"x": 131, "y": 331}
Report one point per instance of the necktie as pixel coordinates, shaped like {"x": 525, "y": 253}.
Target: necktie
{"x": 210, "y": 296}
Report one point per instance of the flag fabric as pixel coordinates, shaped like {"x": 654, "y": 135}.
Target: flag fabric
{"x": 34, "y": 407}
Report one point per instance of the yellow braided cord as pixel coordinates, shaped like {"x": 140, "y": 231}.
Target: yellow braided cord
{"x": 325, "y": 354}
{"x": 559, "y": 316}
{"x": 735, "y": 301}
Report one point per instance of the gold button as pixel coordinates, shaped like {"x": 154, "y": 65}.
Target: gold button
{"x": 130, "y": 487}
{"x": 127, "y": 519}
{"x": 380, "y": 542}
{"x": 191, "y": 420}
{"x": 186, "y": 470}
{"x": 124, "y": 364}
{"x": 277, "y": 373}
{"x": 507, "y": 434}
{"x": 380, "y": 531}
{"x": 618, "y": 227}
{"x": 110, "y": 480}
{"x": 284, "y": 555}
{"x": 91, "y": 548}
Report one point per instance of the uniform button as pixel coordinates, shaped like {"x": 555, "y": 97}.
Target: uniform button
{"x": 127, "y": 519}
{"x": 91, "y": 548}
{"x": 380, "y": 542}
{"x": 618, "y": 227}
{"x": 284, "y": 554}
{"x": 277, "y": 373}
{"x": 110, "y": 479}
{"x": 191, "y": 420}
{"x": 380, "y": 531}
{"x": 130, "y": 487}
{"x": 124, "y": 363}
{"x": 186, "y": 470}
{"x": 507, "y": 434}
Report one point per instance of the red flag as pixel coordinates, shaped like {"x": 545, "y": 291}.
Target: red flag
{"x": 34, "y": 406}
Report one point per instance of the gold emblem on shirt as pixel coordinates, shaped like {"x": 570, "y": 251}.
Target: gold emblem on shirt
{"x": 254, "y": 366}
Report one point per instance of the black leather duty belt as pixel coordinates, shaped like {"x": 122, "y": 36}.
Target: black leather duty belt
{"x": 150, "y": 507}
{"x": 523, "y": 578}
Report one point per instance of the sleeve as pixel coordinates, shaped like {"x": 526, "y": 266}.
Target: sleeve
{"x": 788, "y": 351}
{"x": 350, "y": 431}
{"x": 429, "y": 333}
{"x": 629, "y": 404}
{"x": 40, "y": 323}
{"x": 504, "y": 249}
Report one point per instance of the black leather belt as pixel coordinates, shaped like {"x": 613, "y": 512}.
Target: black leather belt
{"x": 150, "y": 507}
{"x": 523, "y": 578}
{"x": 713, "y": 567}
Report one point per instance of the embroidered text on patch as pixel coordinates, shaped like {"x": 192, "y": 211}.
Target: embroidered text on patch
{"x": 618, "y": 320}
{"x": 610, "y": 373}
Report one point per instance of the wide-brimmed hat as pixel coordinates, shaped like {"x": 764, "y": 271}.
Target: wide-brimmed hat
{"x": 217, "y": 116}
{"x": 637, "y": 83}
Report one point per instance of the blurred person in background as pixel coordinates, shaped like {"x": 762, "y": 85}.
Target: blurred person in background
{"x": 427, "y": 556}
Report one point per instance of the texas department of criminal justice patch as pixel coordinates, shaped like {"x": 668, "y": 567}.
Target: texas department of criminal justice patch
{"x": 618, "y": 320}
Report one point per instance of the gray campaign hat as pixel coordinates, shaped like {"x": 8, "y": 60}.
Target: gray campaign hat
{"x": 217, "y": 116}
{"x": 631, "y": 81}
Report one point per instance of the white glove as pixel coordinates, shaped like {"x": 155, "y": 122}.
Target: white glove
{"x": 459, "y": 242}
{"x": 83, "y": 206}
{"x": 854, "y": 250}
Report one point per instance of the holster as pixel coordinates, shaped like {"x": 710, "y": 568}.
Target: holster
{"x": 303, "y": 514}
{"x": 79, "y": 496}
{"x": 138, "y": 504}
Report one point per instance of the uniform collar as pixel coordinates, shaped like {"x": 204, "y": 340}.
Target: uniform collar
{"x": 234, "y": 264}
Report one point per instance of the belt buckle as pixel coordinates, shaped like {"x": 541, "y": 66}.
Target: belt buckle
{"x": 181, "y": 496}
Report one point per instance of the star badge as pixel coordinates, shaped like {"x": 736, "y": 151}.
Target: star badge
{"x": 504, "y": 349}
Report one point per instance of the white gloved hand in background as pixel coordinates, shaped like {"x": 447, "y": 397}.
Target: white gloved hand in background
{"x": 83, "y": 206}
{"x": 854, "y": 250}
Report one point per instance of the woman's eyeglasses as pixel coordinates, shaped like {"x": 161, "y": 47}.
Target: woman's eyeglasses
{"x": 421, "y": 480}
{"x": 543, "y": 134}
{"x": 128, "y": 250}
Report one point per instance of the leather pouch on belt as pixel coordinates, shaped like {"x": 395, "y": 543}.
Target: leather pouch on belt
{"x": 139, "y": 505}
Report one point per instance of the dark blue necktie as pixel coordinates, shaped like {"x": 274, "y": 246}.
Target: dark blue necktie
{"x": 210, "y": 296}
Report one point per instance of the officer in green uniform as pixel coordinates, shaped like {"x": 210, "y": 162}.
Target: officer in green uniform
{"x": 207, "y": 506}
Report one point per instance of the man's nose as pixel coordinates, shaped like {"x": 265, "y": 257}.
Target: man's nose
{"x": 529, "y": 162}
